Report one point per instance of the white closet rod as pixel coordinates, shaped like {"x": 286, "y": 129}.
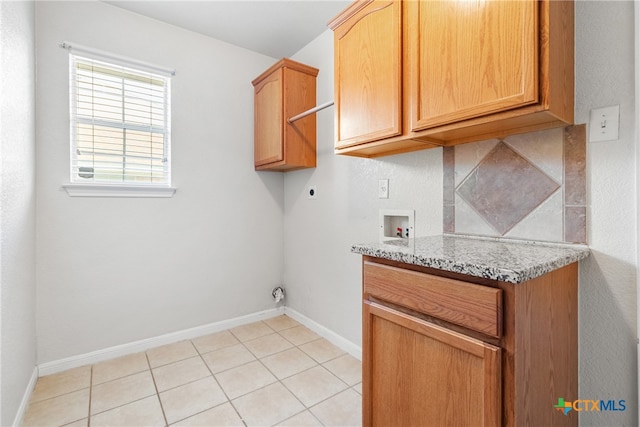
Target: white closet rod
{"x": 310, "y": 111}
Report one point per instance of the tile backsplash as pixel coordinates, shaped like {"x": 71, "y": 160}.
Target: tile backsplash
{"x": 530, "y": 186}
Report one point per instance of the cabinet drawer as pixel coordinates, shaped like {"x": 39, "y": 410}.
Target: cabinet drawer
{"x": 472, "y": 306}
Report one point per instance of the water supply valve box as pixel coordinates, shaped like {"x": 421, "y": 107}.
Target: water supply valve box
{"x": 396, "y": 224}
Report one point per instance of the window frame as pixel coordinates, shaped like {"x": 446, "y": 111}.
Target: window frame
{"x": 114, "y": 188}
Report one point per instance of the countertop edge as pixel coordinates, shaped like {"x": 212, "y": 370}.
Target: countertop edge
{"x": 515, "y": 274}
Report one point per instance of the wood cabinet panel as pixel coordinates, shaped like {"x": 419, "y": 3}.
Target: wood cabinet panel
{"x": 368, "y": 74}
{"x": 545, "y": 348}
{"x": 268, "y": 109}
{"x": 468, "y": 71}
{"x": 468, "y": 59}
{"x": 419, "y": 374}
{"x": 284, "y": 90}
{"x": 404, "y": 349}
{"x": 473, "y": 306}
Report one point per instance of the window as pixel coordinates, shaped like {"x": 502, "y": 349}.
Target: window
{"x": 120, "y": 125}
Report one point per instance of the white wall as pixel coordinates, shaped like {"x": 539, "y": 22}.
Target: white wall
{"x": 608, "y": 311}
{"x": 96, "y": 289}
{"x": 17, "y": 205}
{"x": 113, "y": 271}
{"x": 323, "y": 278}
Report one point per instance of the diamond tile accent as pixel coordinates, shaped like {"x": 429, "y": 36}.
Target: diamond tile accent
{"x": 505, "y": 187}
{"x": 559, "y": 153}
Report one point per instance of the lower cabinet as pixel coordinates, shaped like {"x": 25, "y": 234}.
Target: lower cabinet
{"x": 445, "y": 349}
{"x": 422, "y": 374}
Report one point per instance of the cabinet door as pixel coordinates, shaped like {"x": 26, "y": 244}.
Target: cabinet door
{"x": 368, "y": 79}
{"x": 419, "y": 374}
{"x": 470, "y": 58}
{"x": 268, "y": 122}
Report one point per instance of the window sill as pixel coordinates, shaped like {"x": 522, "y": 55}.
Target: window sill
{"x": 97, "y": 190}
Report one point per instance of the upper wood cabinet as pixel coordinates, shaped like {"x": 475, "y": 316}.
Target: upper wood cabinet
{"x": 368, "y": 74}
{"x": 418, "y": 74}
{"x": 284, "y": 90}
{"x": 471, "y": 58}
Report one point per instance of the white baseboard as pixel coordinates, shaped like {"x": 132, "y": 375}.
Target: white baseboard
{"x": 49, "y": 368}
{"x": 56, "y": 366}
{"x": 335, "y": 339}
{"x": 24, "y": 403}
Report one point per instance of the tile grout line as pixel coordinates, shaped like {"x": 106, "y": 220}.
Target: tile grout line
{"x": 119, "y": 378}
{"x": 317, "y": 403}
{"x": 129, "y": 402}
{"x": 58, "y": 395}
{"x": 229, "y": 400}
{"x": 174, "y": 361}
{"x": 317, "y": 363}
{"x": 281, "y": 381}
{"x": 218, "y": 383}
{"x": 321, "y": 364}
{"x": 261, "y": 360}
{"x": 90, "y": 395}
{"x": 153, "y": 378}
{"x": 278, "y": 380}
{"x": 302, "y": 412}
{"x": 199, "y": 354}
{"x": 250, "y": 339}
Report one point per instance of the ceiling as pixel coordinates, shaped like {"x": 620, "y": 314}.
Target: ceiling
{"x": 274, "y": 28}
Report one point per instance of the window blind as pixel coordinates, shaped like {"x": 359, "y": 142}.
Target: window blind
{"x": 120, "y": 124}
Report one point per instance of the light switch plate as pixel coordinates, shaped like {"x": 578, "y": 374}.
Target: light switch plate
{"x": 604, "y": 124}
{"x": 383, "y": 189}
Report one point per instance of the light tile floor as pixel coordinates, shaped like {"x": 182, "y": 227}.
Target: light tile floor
{"x": 273, "y": 372}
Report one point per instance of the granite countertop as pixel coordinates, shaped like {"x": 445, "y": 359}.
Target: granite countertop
{"x": 513, "y": 261}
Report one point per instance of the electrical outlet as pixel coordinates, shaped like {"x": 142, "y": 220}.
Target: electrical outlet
{"x": 312, "y": 192}
{"x": 604, "y": 123}
{"x": 383, "y": 189}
